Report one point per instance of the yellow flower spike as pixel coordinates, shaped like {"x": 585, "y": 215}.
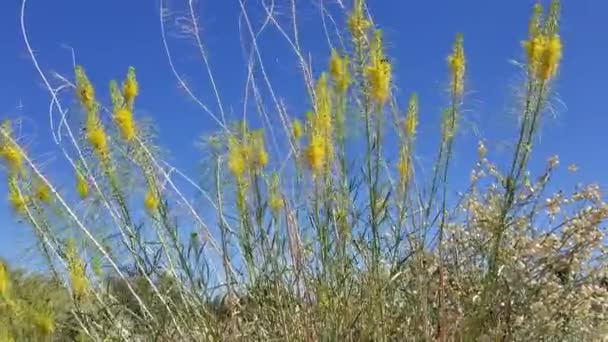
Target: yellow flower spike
{"x": 96, "y": 136}
{"x": 534, "y": 24}
{"x": 357, "y": 23}
{"x": 16, "y": 199}
{"x": 44, "y": 323}
{"x": 551, "y": 57}
{"x": 79, "y": 282}
{"x": 296, "y": 129}
{"x": 82, "y": 187}
{"x": 151, "y": 200}
{"x": 13, "y": 158}
{"x": 551, "y": 26}
{"x": 378, "y": 71}
{"x": 117, "y": 99}
{"x": 8, "y": 150}
{"x": 411, "y": 118}
{"x": 84, "y": 89}
{"x": 42, "y": 192}
{"x": 124, "y": 120}
{"x": 403, "y": 167}
{"x": 259, "y": 157}
{"x": 323, "y": 103}
{"x": 130, "y": 88}
{"x": 275, "y": 200}
{"x": 457, "y": 65}
{"x": 78, "y": 279}
{"x": 338, "y": 69}
{"x": 236, "y": 158}
{"x": 544, "y": 47}
{"x": 4, "y": 280}
{"x": 315, "y": 154}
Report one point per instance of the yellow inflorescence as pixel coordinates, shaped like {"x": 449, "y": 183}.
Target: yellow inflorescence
{"x": 42, "y": 191}
{"x": 315, "y": 154}
{"x": 322, "y": 104}
{"x": 124, "y": 121}
{"x": 543, "y": 48}
{"x": 84, "y": 90}
{"x": 338, "y": 69}
{"x": 403, "y": 166}
{"x": 319, "y": 151}
{"x": 151, "y": 200}
{"x": 457, "y": 65}
{"x": 12, "y": 156}
{"x": 130, "y": 88}
{"x": 79, "y": 282}
{"x": 378, "y": 71}
{"x": 44, "y": 323}
{"x": 411, "y": 118}
{"x": 296, "y": 129}
{"x": 16, "y": 199}
{"x": 82, "y": 187}
{"x": 246, "y": 152}
{"x": 259, "y": 157}
{"x": 8, "y": 150}
{"x": 237, "y": 157}
{"x": 357, "y": 23}
{"x": 275, "y": 200}
{"x": 96, "y": 137}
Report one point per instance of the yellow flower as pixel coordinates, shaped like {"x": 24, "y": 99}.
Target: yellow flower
{"x": 79, "y": 282}
{"x": 117, "y": 98}
{"x": 8, "y": 150}
{"x": 275, "y": 200}
{"x": 84, "y": 89}
{"x": 322, "y": 104}
{"x": 296, "y": 129}
{"x": 42, "y": 191}
{"x": 124, "y": 121}
{"x": 259, "y": 157}
{"x": 151, "y": 200}
{"x": 13, "y": 158}
{"x": 236, "y": 158}
{"x": 378, "y": 71}
{"x": 4, "y": 280}
{"x": 411, "y": 118}
{"x": 130, "y": 88}
{"x": 357, "y": 23}
{"x": 16, "y": 199}
{"x": 403, "y": 167}
{"x": 97, "y": 137}
{"x": 552, "y": 55}
{"x": 544, "y": 46}
{"x": 315, "y": 154}
{"x": 338, "y": 69}
{"x": 44, "y": 323}
{"x": 82, "y": 187}
{"x": 457, "y": 64}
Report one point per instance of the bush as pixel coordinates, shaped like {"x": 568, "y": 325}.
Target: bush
{"x": 313, "y": 241}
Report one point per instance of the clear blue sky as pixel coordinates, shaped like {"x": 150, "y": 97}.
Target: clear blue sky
{"x": 108, "y": 36}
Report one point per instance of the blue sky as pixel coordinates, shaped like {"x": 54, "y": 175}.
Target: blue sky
{"x": 108, "y": 36}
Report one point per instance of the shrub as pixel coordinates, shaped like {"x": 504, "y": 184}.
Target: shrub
{"x": 307, "y": 240}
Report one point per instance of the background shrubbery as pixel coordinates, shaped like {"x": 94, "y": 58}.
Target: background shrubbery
{"x": 320, "y": 242}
